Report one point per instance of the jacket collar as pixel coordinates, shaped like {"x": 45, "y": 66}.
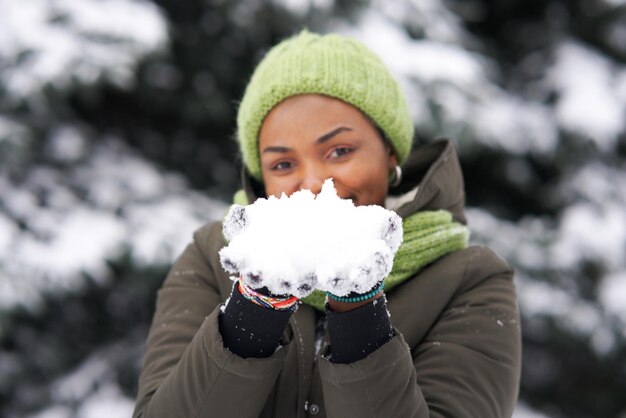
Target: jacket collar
{"x": 432, "y": 180}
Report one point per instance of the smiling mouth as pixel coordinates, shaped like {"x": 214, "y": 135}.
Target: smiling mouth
{"x": 352, "y": 198}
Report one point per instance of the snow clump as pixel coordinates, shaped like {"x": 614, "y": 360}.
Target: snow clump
{"x": 293, "y": 245}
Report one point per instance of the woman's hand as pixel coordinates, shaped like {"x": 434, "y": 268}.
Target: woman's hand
{"x": 294, "y": 245}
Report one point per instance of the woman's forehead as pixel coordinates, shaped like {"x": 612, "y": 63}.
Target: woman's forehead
{"x": 314, "y": 115}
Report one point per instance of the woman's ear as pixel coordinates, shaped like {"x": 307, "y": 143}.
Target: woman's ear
{"x": 393, "y": 160}
{"x": 395, "y": 172}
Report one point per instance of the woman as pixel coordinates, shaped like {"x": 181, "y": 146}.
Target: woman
{"x": 320, "y": 107}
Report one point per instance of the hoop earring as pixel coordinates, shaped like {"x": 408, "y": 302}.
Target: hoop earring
{"x": 396, "y": 177}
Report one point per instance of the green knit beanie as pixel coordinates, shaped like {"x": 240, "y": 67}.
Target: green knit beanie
{"x": 332, "y": 65}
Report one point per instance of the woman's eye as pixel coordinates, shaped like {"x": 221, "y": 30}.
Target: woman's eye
{"x": 283, "y": 165}
{"x": 340, "y": 151}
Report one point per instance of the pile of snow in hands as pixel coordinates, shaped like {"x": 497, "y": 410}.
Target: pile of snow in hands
{"x": 295, "y": 244}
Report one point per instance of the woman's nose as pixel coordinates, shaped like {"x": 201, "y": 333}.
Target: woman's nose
{"x": 313, "y": 181}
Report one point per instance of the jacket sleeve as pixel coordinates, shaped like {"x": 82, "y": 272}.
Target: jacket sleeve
{"x": 466, "y": 365}
{"x": 186, "y": 371}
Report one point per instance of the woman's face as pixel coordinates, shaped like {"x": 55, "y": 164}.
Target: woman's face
{"x": 308, "y": 138}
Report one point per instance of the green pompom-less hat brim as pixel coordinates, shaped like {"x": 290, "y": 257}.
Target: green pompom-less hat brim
{"x": 332, "y": 65}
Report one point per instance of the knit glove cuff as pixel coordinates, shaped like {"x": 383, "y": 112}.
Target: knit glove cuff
{"x": 357, "y": 333}
{"x": 250, "y": 330}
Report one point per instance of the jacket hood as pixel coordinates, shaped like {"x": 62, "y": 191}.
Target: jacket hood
{"x": 431, "y": 180}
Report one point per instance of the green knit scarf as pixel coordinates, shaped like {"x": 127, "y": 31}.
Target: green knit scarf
{"x": 428, "y": 236}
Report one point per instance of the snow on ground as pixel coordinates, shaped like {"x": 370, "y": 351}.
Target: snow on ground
{"x": 112, "y": 202}
{"x": 64, "y": 41}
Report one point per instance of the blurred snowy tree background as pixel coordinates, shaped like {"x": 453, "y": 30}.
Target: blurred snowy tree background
{"x": 116, "y": 126}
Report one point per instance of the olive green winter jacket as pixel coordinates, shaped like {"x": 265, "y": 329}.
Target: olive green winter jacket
{"x": 456, "y": 352}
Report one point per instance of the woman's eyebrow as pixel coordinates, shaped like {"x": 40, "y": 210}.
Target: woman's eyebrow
{"x": 319, "y": 140}
{"x": 276, "y": 149}
{"x": 331, "y": 134}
